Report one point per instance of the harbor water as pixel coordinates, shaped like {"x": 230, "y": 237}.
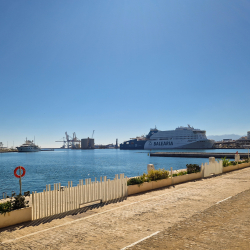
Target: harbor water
{"x": 63, "y": 165}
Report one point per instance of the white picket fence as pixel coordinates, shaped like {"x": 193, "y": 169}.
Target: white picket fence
{"x": 63, "y": 199}
{"x": 212, "y": 168}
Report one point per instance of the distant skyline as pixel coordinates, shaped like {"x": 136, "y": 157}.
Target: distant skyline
{"x": 226, "y": 136}
{"x": 122, "y": 67}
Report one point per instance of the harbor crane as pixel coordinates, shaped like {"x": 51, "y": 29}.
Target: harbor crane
{"x": 70, "y": 142}
{"x": 64, "y": 142}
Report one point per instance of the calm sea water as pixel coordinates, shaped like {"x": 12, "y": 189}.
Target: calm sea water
{"x": 63, "y": 165}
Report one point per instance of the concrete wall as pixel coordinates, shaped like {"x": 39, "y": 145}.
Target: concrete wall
{"x": 16, "y": 217}
{"x": 146, "y": 186}
{"x": 186, "y": 177}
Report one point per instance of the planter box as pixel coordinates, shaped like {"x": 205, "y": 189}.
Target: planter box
{"x": 15, "y": 217}
{"x": 186, "y": 178}
{"x": 146, "y": 186}
{"x": 161, "y": 183}
{"x": 244, "y": 165}
{"x": 235, "y": 167}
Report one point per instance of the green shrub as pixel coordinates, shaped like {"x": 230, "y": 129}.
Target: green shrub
{"x": 226, "y": 162}
{"x": 138, "y": 180}
{"x": 5, "y": 207}
{"x": 134, "y": 180}
{"x": 154, "y": 175}
{"x": 26, "y": 193}
{"x": 180, "y": 173}
{"x": 193, "y": 168}
{"x": 236, "y": 163}
{"x": 17, "y": 203}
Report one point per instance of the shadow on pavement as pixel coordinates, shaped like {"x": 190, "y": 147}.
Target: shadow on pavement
{"x": 61, "y": 215}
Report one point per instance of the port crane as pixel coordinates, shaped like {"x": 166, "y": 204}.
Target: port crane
{"x": 70, "y": 142}
{"x": 64, "y": 142}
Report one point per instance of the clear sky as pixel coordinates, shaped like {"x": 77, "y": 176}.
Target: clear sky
{"x": 122, "y": 67}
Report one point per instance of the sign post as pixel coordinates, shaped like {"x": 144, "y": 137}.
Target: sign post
{"x": 20, "y": 175}
{"x": 20, "y": 180}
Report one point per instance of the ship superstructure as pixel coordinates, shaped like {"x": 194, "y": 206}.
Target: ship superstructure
{"x": 181, "y": 137}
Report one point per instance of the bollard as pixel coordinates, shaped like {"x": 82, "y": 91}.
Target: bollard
{"x": 211, "y": 159}
{"x": 150, "y": 167}
{"x": 237, "y": 157}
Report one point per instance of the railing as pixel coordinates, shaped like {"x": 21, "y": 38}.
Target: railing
{"x": 63, "y": 199}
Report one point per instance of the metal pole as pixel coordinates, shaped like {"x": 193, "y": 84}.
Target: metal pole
{"x": 20, "y": 181}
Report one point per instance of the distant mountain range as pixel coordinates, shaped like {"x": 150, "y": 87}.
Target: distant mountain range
{"x": 221, "y": 137}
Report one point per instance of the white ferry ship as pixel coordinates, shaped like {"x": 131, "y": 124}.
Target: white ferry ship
{"x": 28, "y": 146}
{"x": 181, "y": 137}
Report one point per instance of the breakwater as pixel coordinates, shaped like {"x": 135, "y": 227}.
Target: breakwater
{"x": 198, "y": 155}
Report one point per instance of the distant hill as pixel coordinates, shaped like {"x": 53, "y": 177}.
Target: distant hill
{"x": 221, "y": 137}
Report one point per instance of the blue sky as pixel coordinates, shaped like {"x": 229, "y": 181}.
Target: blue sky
{"x": 122, "y": 67}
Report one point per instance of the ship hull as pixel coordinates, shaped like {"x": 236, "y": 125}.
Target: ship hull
{"x": 165, "y": 144}
{"x": 22, "y": 149}
{"x": 132, "y": 144}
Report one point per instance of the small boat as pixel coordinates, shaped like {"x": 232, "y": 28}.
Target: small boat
{"x": 28, "y": 146}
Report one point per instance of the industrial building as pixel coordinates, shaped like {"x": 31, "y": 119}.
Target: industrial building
{"x": 88, "y": 143}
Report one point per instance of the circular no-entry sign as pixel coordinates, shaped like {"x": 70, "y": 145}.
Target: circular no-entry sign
{"x": 17, "y": 175}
